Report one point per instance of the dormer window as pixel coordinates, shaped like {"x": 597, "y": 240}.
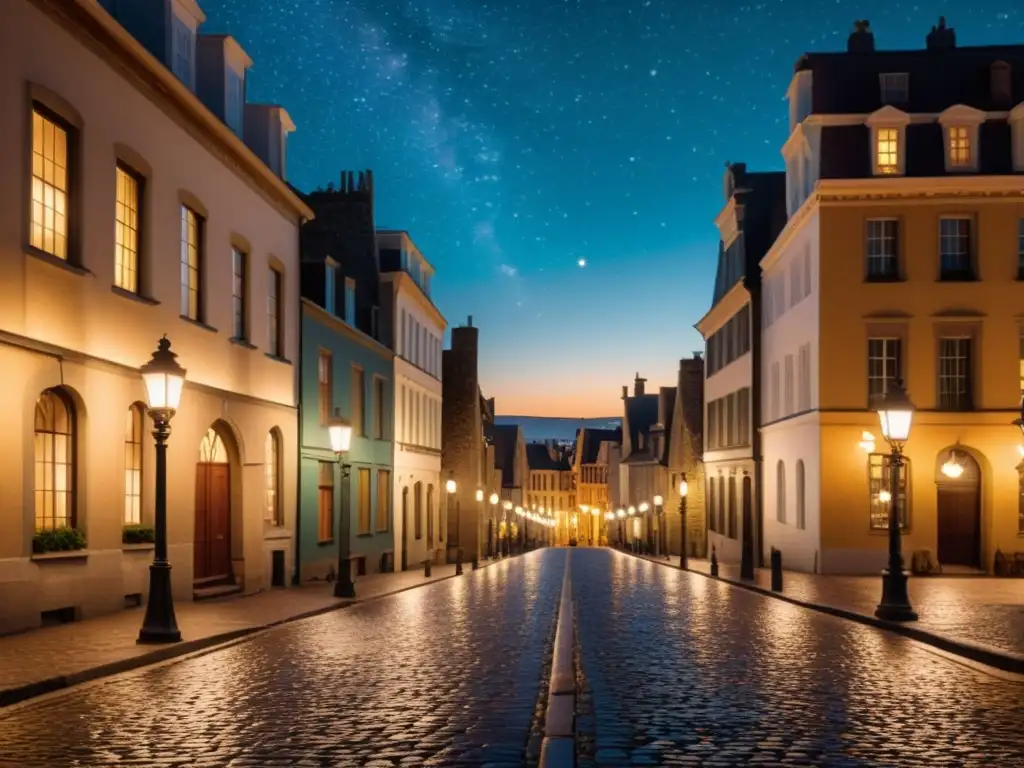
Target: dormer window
{"x": 183, "y": 50}
{"x": 888, "y": 141}
{"x": 895, "y": 87}
{"x": 960, "y": 127}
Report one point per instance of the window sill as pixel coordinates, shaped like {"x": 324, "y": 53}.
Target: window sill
{"x": 198, "y": 323}
{"x": 126, "y": 294}
{"x": 278, "y": 358}
{"x": 241, "y": 343}
{"x": 365, "y": 535}
{"x": 143, "y": 547}
{"x": 56, "y": 261}
{"x": 958, "y": 279}
{"x": 884, "y": 279}
{"x": 325, "y": 543}
{"x": 72, "y": 554}
{"x": 276, "y": 533}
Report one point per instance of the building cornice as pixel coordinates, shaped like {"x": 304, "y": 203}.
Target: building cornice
{"x": 920, "y": 189}
{"x": 405, "y": 285}
{"x": 881, "y": 115}
{"x": 727, "y": 306}
{"x": 727, "y": 222}
{"x": 793, "y": 227}
{"x": 96, "y": 29}
{"x": 335, "y": 323}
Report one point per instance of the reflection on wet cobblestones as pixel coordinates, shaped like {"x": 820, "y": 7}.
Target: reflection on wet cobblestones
{"x": 682, "y": 670}
{"x": 447, "y": 674}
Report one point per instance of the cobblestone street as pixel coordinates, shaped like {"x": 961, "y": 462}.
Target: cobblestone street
{"x": 682, "y": 670}
{"x": 447, "y": 674}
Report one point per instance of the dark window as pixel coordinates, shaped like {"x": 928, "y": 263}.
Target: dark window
{"x": 883, "y": 249}
{"x": 883, "y": 365}
{"x": 731, "y": 533}
{"x": 955, "y": 249}
{"x": 894, "y": 87}
{"x": 955, "y": 375}
{"x": 239, "y": 298}
{"x": 879, "y": 478}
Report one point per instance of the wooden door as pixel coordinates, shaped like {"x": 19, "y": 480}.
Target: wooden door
{"x": 959, "y": 526}
{"x": 212, "y": 548}
{"x": 405, "y": 528}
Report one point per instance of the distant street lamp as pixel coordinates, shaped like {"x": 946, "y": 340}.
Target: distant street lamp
{"x": 506, "y": 517}
{"x": 164, "y": 380}
{"x": 340, "y": 432}
{"x": 451, "y": 487}
{"x": 684, "y": 489}
{"x": 659, "y": 515}
{"x": 895, "y": 414}
{"x": 490, "y": 526}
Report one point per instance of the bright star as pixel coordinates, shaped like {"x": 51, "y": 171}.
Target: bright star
{"x": 581, "y": 263}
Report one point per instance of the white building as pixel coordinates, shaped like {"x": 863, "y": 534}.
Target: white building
{"x": 133, "y": 208}
{"x": 415, "y": 330}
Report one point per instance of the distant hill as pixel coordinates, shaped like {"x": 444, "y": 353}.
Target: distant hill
{"x": 540, "y": 428}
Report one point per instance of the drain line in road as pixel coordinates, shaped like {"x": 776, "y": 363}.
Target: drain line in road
{"x": 558, "y": 750}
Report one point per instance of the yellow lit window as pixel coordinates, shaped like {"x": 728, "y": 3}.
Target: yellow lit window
{"x": 49, "y": 229}
{"x": 133, "y": 466}
{"x": 888, "y": 149}
{"x": 190, "y": 226}
{"x": 126, "y": 232}
{"x": 54, "y": 462}
{"x": 959, "y": 146}
{"x": 273, "y": 480}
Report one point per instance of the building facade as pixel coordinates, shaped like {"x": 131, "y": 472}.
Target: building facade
{"x": 684, "y": 461}
{"x": 551, "y": 492}
{"x": 641, "y": 471}
{"x": 132, "y": 204}
{"x": 591, "y": 472}
{"x": 753, "y": 215}
{"x": 903, "y": 167}
{"x": 414, "y": 329}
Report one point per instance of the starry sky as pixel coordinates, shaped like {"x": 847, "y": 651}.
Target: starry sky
{"x": 515, "y": 138}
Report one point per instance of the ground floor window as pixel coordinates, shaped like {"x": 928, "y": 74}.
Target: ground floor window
{"x": 879, "y": 490}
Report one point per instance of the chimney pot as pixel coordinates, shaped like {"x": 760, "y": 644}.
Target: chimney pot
{"x": 469, "y": 322}
{"x": 862, "y": 39}
{"x": 625, "y": 391}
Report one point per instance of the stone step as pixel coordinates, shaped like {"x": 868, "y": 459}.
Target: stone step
{"x": 215, "y": 591}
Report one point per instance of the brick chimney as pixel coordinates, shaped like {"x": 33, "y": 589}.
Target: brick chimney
{"x": 862, "y": 39}
{"x": 941, "y": 38}
{"x": 638, "y": 386}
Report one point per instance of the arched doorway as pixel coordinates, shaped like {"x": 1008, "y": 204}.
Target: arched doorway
{"x": 212, "y": 547}
{"x": 958, "y": 482}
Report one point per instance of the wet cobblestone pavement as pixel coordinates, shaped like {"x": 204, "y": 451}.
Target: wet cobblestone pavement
{"x": 681, "y": 670}
{"x": 447, "y": 674}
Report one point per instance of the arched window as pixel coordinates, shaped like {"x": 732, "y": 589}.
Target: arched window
{"x": 801, "y": 511}
{"x": 272, "y": 479}
{"x": 780, "y": 492}
{"x": 133, "y": 427}
{"x": 54, "y": 461}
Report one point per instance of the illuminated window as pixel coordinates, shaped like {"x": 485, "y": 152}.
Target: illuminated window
{"x": 49, "y": 223}
{"x": 239, "y": 293}
{"x": 383, "y": 500}
{"x": 272, "y": 479}
{"x": 363, "y": 489}
{"x": 275, "y": 328}
{"x": 887, "y": 145}
{"x": 191, "y": 256}
{"x": 126, "y": 230}
{"x": 324, "y": 386}
{"x": 54, "y": 461}
{"x": 133, "y": 466}
{"x": 959, "y": 146}
{"x": 325, "y": 502}
{"x": 780, "y": 492}
{"x": 879, "y": 481}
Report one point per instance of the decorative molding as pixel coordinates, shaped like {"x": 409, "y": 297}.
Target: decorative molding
{"x": 723, "y": 310}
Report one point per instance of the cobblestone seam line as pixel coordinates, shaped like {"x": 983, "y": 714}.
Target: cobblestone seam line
{"x": 558, "y": 750}
{"x": 17, "y": 694}
{"x": 1006, "y": 661}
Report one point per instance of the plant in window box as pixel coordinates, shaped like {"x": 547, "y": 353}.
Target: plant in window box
{"x": 63, "y": 539}
{"x": 138, "y": 534}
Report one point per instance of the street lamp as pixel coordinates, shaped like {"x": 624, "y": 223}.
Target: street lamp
{"x": 895, "y": 414}
{"x": 684, "y": 488}
{"x": 490, "y": 526}
{"x": 164, "y": 380}
{"x": 506, "y": 517}
{"x": 340, "y": 432}
{"x": 451, "y": 487}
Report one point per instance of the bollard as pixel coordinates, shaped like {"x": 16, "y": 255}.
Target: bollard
{"x": 776, "y": 570}
{"x": 476, "y": 563}
{"x": 458, "y": 562}
{"x": 714, "y": 562}
{"x": 426, "y": 569}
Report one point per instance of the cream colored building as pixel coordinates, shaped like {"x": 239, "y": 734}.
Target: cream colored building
{"x": 135, "y": 209}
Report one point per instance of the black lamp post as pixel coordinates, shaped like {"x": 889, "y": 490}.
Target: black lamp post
{"x": 164, "y": 380}
{"x": 450, "y": 487}
{"x": 683, "y": 490}
{"x": 340, "y": 432}
{"x": 895, "y": 413}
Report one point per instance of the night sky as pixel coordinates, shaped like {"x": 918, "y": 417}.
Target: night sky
{"x": 513, "y": 139}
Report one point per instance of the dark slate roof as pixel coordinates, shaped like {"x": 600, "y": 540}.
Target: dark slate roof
{"x": 763, "y": 197}
{"x": 641, "y": 415}
{"x": 592, "y": 439}
{"x": 539, "y": 457}
{"x": 504, "y": 438}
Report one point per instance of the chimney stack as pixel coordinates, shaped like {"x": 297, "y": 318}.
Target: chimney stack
{"x": 941, "y": 38}
{"x": 469, "y": 322}
{"x": 638, "y": 385}
{"x": 862, "y": 39}
{"x": 625, "y": 392}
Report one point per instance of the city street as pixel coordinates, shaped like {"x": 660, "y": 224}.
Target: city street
{"x": 676, "y": 669}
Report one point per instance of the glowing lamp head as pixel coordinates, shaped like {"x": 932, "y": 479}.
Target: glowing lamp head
{"x": 952, "y": 468}
{"x": 494, "y": 499}
{"x": 479, "y": 495}
{"x": 450, "y": 486}
{"x": 340, "y": 432}
{"x": 631, "y": 511}
{"x": 895, "y": 414}
{"x": 519, "y": 511}
{"x": 884, "y": 496}
{"x": 164, "y": 380}
{"x": 683, "y": 489}
{"x": 658, "y": 501}
{"x": 620, "y": 513}
{"x": 507, "y": 505}
{"x": 595, "y": 511}
{"x": 644, "y": 506}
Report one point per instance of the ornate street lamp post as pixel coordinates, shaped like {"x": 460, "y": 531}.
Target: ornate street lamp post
{"x": 683, "y": 490}
{"x": 450, "y": 487}
{"x": 895, "y": 414}
{"x": 340, "y": 432}
{"x": 164, "y": 380}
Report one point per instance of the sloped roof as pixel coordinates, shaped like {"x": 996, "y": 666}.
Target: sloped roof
{"x": 641, "y": 415}
{"x": 539, "y": 457}
{"x": 504, "y": 438}
{"x": 592, "y": 439}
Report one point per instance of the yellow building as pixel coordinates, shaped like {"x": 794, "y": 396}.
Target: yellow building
{"x": 902, "y": 259}
{"x": 591, "y": 468}
{"x": 552, "y": 493}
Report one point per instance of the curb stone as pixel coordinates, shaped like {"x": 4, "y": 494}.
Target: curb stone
{"x": 20, "y": 693}
{"x": 1006, "y": 661}
{"x": 558, "y": 749}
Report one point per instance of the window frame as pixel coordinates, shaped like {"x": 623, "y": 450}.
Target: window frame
{"x": 350, "y": 301}
{"x": 357, "y": 415}
{"x": 184, "y": 264}
{"x": 72, "y": 136}
{"x": 878, "y": 519}
{"x": 325, "y": 385}
{"x": 970, "y": 273}
{"x": 960, "y": 117}
{"x": 240, "y": 301}
{"x": 134, "y": 445}
{"x": 275, "y": 313}
{"x": 364, "y": 501}
{"x": 273, "y": 513}
{"x": 885, "y": 119}
{"x": 961, "y": 402}
{"x": 325, "y": 511}
{"x": 383, "y": 506}
{"x": 70, "y": 466}
{"x": 122, "y": 167}
{"x": 379, "y": 395}
{"x": 875, "y": 234}
{"x": 885, "y": 358}
{"x": 780, "y": 492}
{"x": 885, "y": 87}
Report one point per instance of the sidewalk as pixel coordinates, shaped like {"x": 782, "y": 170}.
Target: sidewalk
{"x": 42, "y": 660}
{"x": 976, "y": 617}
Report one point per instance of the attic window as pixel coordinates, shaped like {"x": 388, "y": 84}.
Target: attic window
{"x": 895, "y": 87}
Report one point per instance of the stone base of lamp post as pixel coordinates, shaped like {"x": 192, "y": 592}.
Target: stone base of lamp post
{"x": 344, "y": 586}
{"x": 160, "y": 624}
{"x": 895, "y": 605}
